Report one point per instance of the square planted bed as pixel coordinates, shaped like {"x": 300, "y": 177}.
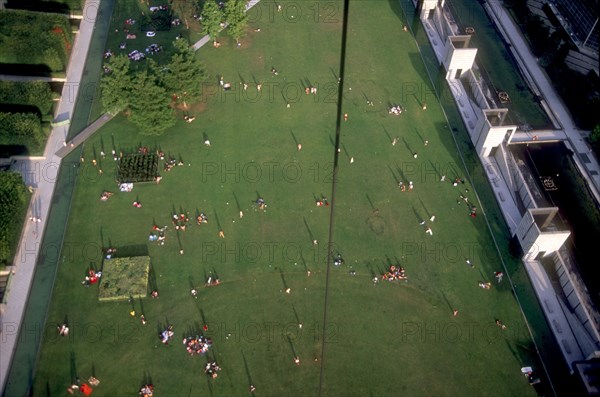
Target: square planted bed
{"x": 124, "y": 278}
{"x": 137, "y": 168}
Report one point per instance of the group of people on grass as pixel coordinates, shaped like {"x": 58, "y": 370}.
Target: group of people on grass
{"x": 197, "y": 344}
{"x": 395, "y": 110}
{"x": 158, "y": 235}
{"x": 395, "y": 273}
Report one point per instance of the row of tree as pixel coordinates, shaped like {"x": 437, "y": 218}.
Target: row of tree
{"x": 13, "y": 203}
{"x": 146, "y": 95}
{"x": 21, "y": 129}
{"x": 233, "y": 13}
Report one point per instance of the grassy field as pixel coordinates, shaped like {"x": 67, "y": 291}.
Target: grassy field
{"x": 383, "y": 339}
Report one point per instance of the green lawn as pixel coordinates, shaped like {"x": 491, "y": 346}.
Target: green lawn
{"x": 386, "y": 339}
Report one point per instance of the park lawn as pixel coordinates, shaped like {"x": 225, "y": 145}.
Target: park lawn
{"x": 381, "y": 339}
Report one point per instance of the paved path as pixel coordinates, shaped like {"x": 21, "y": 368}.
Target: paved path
{"x": 69, "y": 146}
{"x": 28, "y": 250}
{"x": 13, "y": 77}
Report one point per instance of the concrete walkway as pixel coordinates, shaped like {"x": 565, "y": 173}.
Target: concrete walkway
{"x": 519, "y": 46}
{"x": 69, "y": 146}
{"x": 44, "y": 182}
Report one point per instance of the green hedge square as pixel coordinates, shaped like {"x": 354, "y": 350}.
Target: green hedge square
{"x": 123, "y": 278}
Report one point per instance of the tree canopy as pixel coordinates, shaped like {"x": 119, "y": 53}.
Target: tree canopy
{"x": 235, "y": 14}
{"x": 149, "y": 107}
{"x": 212, "y": 17}
{"x": 117, "y": 85}
{"x": 183, "y": 75}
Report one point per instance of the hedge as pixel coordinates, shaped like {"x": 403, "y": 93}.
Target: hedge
{"x": 36, "y": 94}
{"x": 13, "y": 205}
{"x": 35, "y": 38}
{"x": 21, "y": 129}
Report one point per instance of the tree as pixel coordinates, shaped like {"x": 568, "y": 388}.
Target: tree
{"x": 117, "y": 85}
{"x": 149, "y": 106}
{"x": 235, "y": 15}
{"x": 183, "y": 75}
{"x": 212, "y": 17}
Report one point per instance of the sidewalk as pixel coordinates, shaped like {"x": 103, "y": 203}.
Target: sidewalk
{"x": 28, "y": 250}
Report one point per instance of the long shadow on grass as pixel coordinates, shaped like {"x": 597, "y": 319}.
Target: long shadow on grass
{"x": 73, "y": 366}
{"x": 394, "y": 175}
{"x": 447, "y": 302}
{"x": 292, "y": 348}
{"x": 419, "y": 219}
{"x": 296, "y": 315}
{"x": 435, "y": 169}
{"x": 152, "y": 279}
{"x": 401, "y": 173}
{"x": 294, "y": 137}
{"x": 424, "y": 207}
{"x": 217, "y": 221}
{"x": 311, "y": 236}
{"x": 285, "y": 286}
{"x": 386, "y": 133}
{"x": 237, "y": 202}
{"x": 250, "y": 382}
{"x": 371, "y": 203}
{"x": 408, "y": 147}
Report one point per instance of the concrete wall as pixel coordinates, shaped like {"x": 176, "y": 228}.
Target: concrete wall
{"x": 527, "y": 233}
{"x": 474, "y": 87}
{"x": 550, "y": 242}
{"x": 576, "y": 298}
{"x": 426, "y": 6}
{"x": 522, "y": 188}
{"x": 458, "y": 59}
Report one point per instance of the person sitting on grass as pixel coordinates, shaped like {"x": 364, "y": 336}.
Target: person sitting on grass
{"x": 106, "y": 195}
{"x": 485, "y": 285}
{"x": 338, "y": 261}
{"x": 211, "y": 369}
{"x": 395, "y": 273}
{"x": 63, "y": 330}
{"x": 202, "y": 218}
{"x": 261, "y": 203}
{"x": 147, "y": 390}
{"x": 166, "y": 335}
